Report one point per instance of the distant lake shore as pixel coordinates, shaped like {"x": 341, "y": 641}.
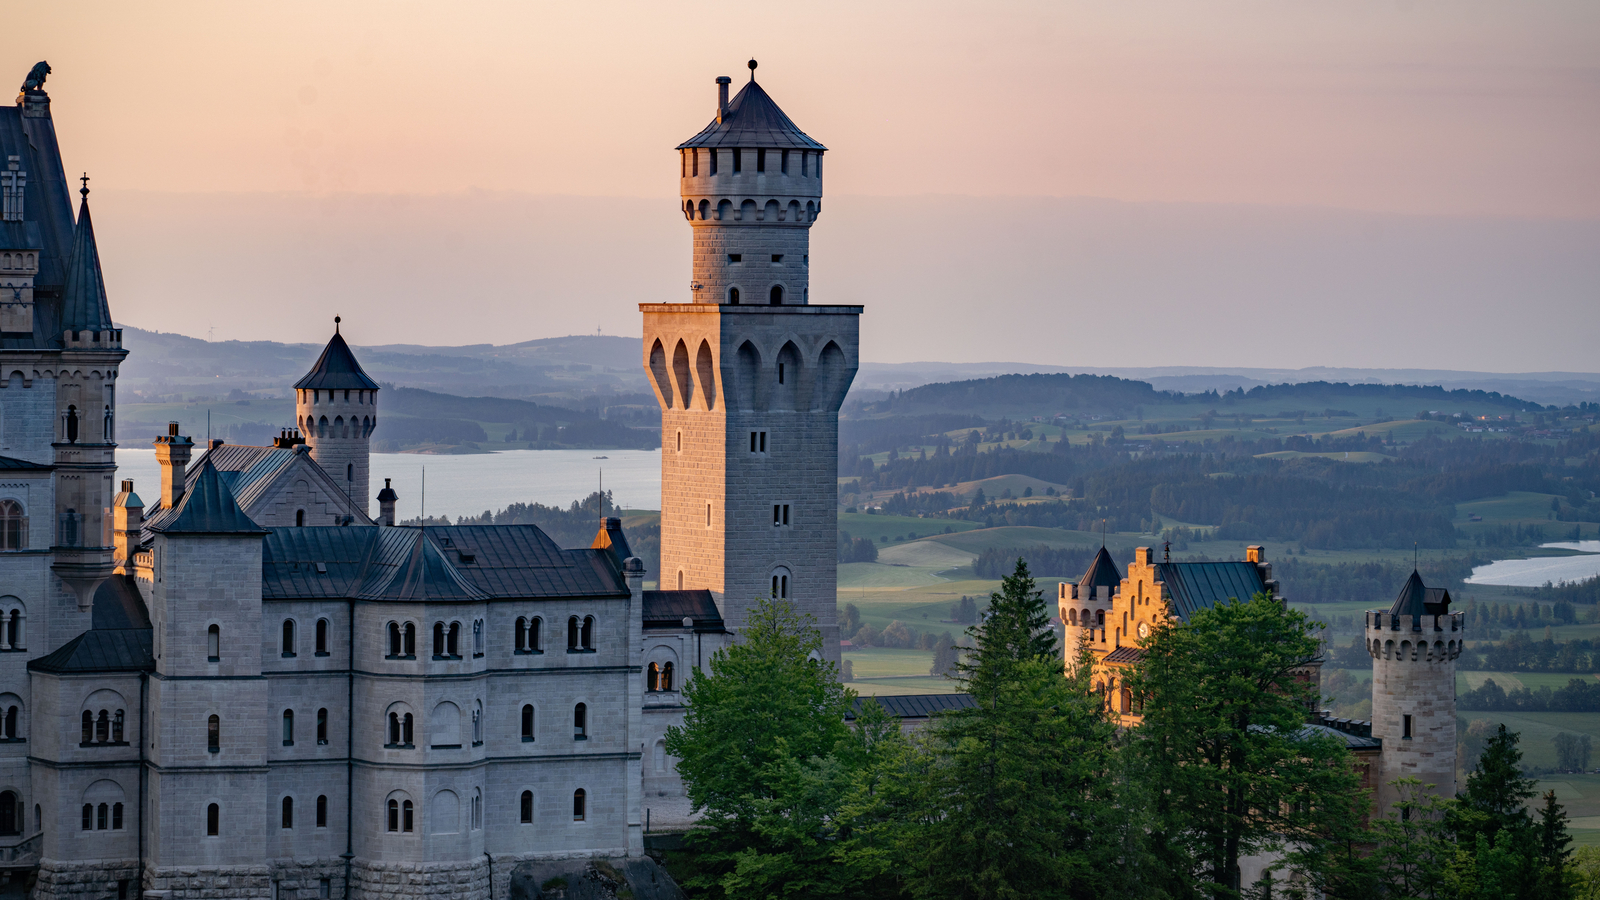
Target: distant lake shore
{"x": 1537, "y": 570}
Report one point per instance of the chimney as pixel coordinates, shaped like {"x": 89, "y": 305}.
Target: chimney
{"x": 127, "y": 521}
{"x": 172, "y": 452}
{"x": 633, "y": 575}
{"x": 722, "y": 97}
{"x": 386, "y": 501}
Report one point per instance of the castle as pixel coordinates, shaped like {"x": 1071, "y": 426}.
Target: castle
{"x": 1414, "y": 645}
{"x": 250, "y": 687}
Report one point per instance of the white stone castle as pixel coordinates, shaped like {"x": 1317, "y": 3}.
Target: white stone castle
{"x": 252, "y": 689}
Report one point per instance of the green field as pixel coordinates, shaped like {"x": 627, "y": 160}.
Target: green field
{"x": 892, "y": 686}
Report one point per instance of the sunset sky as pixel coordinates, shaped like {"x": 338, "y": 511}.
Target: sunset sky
{"x": 1359, "y": 174}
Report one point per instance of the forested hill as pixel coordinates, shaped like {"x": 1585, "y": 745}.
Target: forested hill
{"x": 1048, "y": 394}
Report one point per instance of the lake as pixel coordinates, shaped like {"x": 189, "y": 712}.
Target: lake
{"x": 469, "y": 484}
{"x": 1537, "y": 571}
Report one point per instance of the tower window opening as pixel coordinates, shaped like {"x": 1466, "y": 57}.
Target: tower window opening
{"x": 322, "y": 821}
{"x": 214, "y": 734}
{"x": 322, "y": 637}
{"x": 1405, "y": 727}
{"x": 708, "y": 515}
{"x": 735, "y": 257}
{"x": 738, "y": 160}
{"x": 579, "y": 804}
{"x": 213, "y": 644}
{"x": 680, "y": 579}
{"x": 777, "y": 257}
{"x": 299, "y": 518}
{"x": 775, "y": 296}
{"x": 322, "y": 727}
{"x": 527, "y": 723}
{"x": 683, "y": 163}
{"x": 713, "y": 155}
{"x": 580, "y": 722}
{"x": 780, "y": 515}
{"x": 733, "y": 296}
{"x": 213, "y": 820}
{"x": 694, "y": 161}
{"x": 288, "y": 728}
{"x": 680, "y": 442}
{"x": 288, "y": 812}
{"x": 411, "y": 640}
{"x": 780, "y": 373}
{"x": 805, "y": 162}
{"x": 761, "y": 159}
{"x": 527, "y": 807}
{"x": 783, "y": 162}
{"x": 780, "y": 586}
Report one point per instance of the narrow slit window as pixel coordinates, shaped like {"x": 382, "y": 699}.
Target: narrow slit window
{"x": 713, "y": 157}
{"x": 780, "y": 373}
{"x": 322, "y": 816}
{"x": 761, "y": 159}
{"x": 213, "y": 820}
{"x": 738, "y": 160}
{"x": 213, "y": 644}
{"x": 783, "y": 162}
{"x": 580, "y": 722}
{"x": 322, "y": 727}
{"x": 694, "y": 161}
{"x": 1405, "y": 727}
{"x": 579, "y": 803}
{"x": 322, "y": 637}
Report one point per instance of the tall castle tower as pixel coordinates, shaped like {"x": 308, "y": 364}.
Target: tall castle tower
{"x": 750, "y": 374}
{"x": 1414, "y": 646}
{"x": 336, "y": 406}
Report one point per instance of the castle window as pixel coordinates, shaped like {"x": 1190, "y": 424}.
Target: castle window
{"x": 350, "y": 469}
{"x": 783, "y": 162}
{"x": 288, "y": 813}
{"x": 322, "y": 812}
{"x": 775, "y": 296}
{"x": 10, "y": 814}
{"x": 527, "y": 722}
{"x": 214, "y": 734}
{"x": 780, "y": 583}
{"x": 579, "y": 803}
{"x": 102, "y": 817}
{"x": 102, "y": 727}
{"x": 680, "y": 442}
{"x": 9, "y": 729}
{"x": 738, "y": 160}
{"x": 580, "y": 722}
{"x": 213, "y": 820}
{"x": 664, "y": 681}
{"x": 299, "y": 518}
{"x": 477, "y": 808}
{"x": 735, "y": 257}
{"x": 1100, "y": 618}
{"x": 88, "y": 727}
{"x": 411, "y": 640}
{"x": 758, "y": 442}
{"x": 288, "y": 728}
{"x": 438, "y": 640}
{"x": 777, "y": 258}
{"x": 322, "y": 637}
{"x": 694, "y": 161}
{"x": 780, "y": 515}
{"x": 586, "y": 634}
{"x": 322, "y": 727}
{"x": 652, "y": 677}
{"x": 213, "y": 644}
{"x": 1405, "y": 727}
{"x": 72, "y": 424}
{"x": 761, "y": 159}
{"x": 527, "y": 807}
{"x": 116, "y": 727}
{"x": 713, "y": 155}
{"x": 680, "y": 579}
{"x": 805, "y": 162}
{"x": 288, "y": 638}
{"x": 780, "y": 373}
{"x": 477, "y": 723}
{"x": 13, "y": 526}
{"x": 477, "y": 638}
{"x": 572, "y": 634}
{"x": 88, "y": 817}
{"x": 394, "y": 640}
{"x": 453, "y": 640}
{"x": 733, "y": 296}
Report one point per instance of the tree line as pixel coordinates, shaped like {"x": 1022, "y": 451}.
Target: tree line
{"x": 1033, "y": 790}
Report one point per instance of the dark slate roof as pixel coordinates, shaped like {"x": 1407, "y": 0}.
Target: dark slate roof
{"x": 1417, "y": 599}
{"x": 610, "y": 537}
{"x": 1351, "y": 740}
{"x": 336, "y": 369}
{"x": 1193, "y": 586}
{"x": 100, "y": 650}
{"x": 1124, "y": 655}
{"x": 208, "y": 507}
{"x": 919, "y": 706}
{"x": 1102, "y": 572}
{"x": 12, "y": 463}
{"x": 250, "y": 472}
{"x": 118, "y": 605}
{"x": 668, "y": 609}
{"x": 753, "y": 120}
{"x": 83, "y": 302}
{"x": 403, "y": 563}
{"x": 47, "y": 214}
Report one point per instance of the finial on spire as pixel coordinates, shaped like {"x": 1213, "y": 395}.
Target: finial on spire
{"x": 85, "y": 189}
{"x": 336, "y": 321}
{"x": 752, "y": 65}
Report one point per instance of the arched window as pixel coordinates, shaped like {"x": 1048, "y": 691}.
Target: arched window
{"x": 407, "y": 730}
{"x": 652, "y": 677}
{"x": 775, "y": 296}
{"x": 572, "y": 634}
{"x": 102, "y": 817}
{"x": 350, "y": 469}
{"x": 661, "y": 756}
{"x": 213, "y": 643}
{"x": 214, "y": 734}
{"x": 116, "y": 817}
{"x": 72, "y": 424}
{"x": 477, "y": 808}
{"x": 1072, "y": 617}
{"x": 88, "y": 817}
{"x": 213, "y": 820}
{"x": 780, "y": 583}
{"x": 527, "y": 722}
{"x": 288, "y": 728}
{"x": 477, "y": 723}
{"x": 394, "y": 816}
{"x": 322, "y": 727}
{"x": 527, "y": 808}
{"x": 322, "y": 811}
{"x": 322, "y": 637}
{"x": 453, "y": 644}
{"x": 579, "y": 801}
{"x": 288, "y": 637}
{"x": 411, "y": 640}
{"x": 680, "y": 579}
{"x": 438, "y": 640}
{"x": 13, "y": 632}
{"x": 666, "y": 677}
{"x": 102, "y": 727}
{"x": 288, "y": 812}
{"x": 13, "y": 526}
{"x": 394, "y": 639}
{"x": 1100, "y": 618}
{"x": 733, "y": 296}
{"x": 105, "y": 425}
{"x": 586, "y": 637}
{"x": 580, "y": 722}
{"x": 10, "y": 727}
{"x": 116, "y": 727}
{"x": 407, "y": 816}
{"x": 477, "y": 637}
{"x": 299, "y": 518}
{"x": 88, "y": 727}
{"x": 522, "y": 635}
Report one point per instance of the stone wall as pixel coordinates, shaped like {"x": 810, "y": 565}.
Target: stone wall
{"x": 61, "y": 879}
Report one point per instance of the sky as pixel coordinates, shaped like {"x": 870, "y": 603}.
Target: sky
{"x": 1382, "y": 183}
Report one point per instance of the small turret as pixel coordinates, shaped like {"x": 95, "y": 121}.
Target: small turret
{"x": 1083, "y": 607}
{"x": 336, "y": 408}
{"x": 386, "y": 501}
{"x": 1414, "y": 646}
{"x": 127, "y": 521}
{"x": 172, "y": 452}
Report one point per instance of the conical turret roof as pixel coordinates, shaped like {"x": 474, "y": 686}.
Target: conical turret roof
{"x": 753, "y": 120}
{"x": 1417, "y": 599}
{"x": 336, "y": 369}
{"x": 1102, "y": 573}
{"x": 209, "y": 507}
{"x": 83, "y": 302}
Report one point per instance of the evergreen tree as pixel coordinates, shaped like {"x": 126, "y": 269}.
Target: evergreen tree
{"x": 1554, "y": 881}
{"x": 1496, "y": 792}
{"x": 1017, "y": 797}
{"x": 1225, "y": 754}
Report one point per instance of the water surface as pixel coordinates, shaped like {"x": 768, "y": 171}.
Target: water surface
{"x": 1537, "y": 571}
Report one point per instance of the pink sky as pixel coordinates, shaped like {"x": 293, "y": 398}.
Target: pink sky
{"x": 1453, "y": 109}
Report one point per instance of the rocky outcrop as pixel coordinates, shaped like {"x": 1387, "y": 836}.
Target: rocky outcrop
{"x": 631, "y": 878}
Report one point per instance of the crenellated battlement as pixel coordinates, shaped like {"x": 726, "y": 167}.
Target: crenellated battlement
{"x": 105, "y": 339}
{"x": 1425, "y": 638}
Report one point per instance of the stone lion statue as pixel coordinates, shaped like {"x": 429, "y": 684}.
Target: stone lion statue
{"x": 36, "y": 77}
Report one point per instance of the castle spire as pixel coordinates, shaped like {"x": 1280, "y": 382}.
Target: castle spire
{"x": 83, "y": 305}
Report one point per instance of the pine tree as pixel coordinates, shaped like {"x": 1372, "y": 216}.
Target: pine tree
{"x": 1496, "y": 792}
{"x": 1554, "y": 855}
